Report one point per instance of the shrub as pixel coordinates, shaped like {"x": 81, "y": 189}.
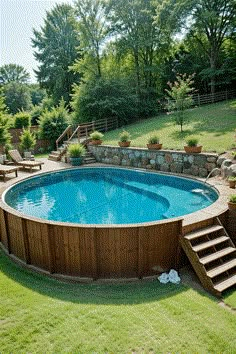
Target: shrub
{"x": 5, "y": 136}
{"x": 153, "y": 139}
{"x": 231, "y": 178}
{"x": 104, "y": 98}
{"x": 53, "y": 123}
{"x": 125, "y": 136}
{"x": 96, "y": 135}
{"x": 76, "y": 150}
{"x": 232, "y": 198}
{"x": 192, "y": 141}
{"x": 27, "y": 140}
{"x": 22, "y": 120}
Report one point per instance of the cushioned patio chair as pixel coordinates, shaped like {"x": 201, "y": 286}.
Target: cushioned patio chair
{"x": 18, "y": 159}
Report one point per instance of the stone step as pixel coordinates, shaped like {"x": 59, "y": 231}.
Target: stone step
{"x": 211, "y": 243}
{"x": 54, "y": 157}
{"x": 203, "y": 232}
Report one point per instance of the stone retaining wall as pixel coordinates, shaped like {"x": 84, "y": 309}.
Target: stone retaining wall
{"x": 160, "y": 160}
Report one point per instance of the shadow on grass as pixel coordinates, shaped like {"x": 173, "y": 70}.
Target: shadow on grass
{"x": 118, "y": 294}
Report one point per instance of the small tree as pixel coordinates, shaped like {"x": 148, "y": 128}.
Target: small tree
{"x": 22, "y": 120}
{"x": 5, "y": 136}
{"x": 27, "y": 140}
{"x": 180, "y": 93}
{"x": 53, "y": 123}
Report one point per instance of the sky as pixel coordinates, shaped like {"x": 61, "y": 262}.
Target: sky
{"x": 17, "y": 20}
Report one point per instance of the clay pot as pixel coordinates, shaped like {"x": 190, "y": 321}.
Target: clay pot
{"x": 232, "y": 184}
{"x": 124, "y": 143}
{"x": 96, "y": 142}
{"x": 232, "y": 206}
{"x": 154, "y": 146}
{"x": 193, "y": 149}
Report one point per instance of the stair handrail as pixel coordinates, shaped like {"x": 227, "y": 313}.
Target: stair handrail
{"x": 62, "y": 135}
{"x": 74, "y": 132}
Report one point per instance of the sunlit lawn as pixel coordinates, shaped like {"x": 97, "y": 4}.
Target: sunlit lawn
{"x": 213, "y": 124}
{"x": 42, "y": 315}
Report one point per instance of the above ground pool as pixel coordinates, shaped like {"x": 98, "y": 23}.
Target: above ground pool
{"x": 108, "y": 196}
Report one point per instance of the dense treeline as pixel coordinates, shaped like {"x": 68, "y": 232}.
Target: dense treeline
{"x": 116, "y": 57}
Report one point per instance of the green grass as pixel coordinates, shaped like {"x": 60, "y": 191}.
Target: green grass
{"x": 214, "y": 125}
{"x": 42, "y": 315}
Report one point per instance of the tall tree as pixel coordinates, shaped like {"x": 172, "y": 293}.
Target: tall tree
{"x": 93, "y": 29}
{"x": 17, "y": 97}
{"x": 213, "y": 22}
{"x": 207, "y": 22}
{"x": 138, "y": 35}
{"x": 56, "y": 45}
{"x": 13, "y": 72}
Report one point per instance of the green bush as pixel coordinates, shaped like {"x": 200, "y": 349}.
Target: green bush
{"x": 53, "y": 123}
{"x": 153, "y": 139}
{"x": 76, "y": 150}
{"x": 192, "y": 141}
{"x": 96, "y": 135}
{"x": 124, "y": 136}
{"x": 27, "y": 140}
{"x": 22, "y": 120}
{"x": 104, "y": 98}
{"x": 232, "y": 198}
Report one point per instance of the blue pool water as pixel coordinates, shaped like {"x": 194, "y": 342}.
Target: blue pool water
{"x": 108, "y": 196}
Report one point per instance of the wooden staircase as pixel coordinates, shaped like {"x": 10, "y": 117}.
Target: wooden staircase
{"x": 212, "y": 255}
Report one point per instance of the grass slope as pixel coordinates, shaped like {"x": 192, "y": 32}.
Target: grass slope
{"x": 39, "y": 315}
{"x": 213, "y": 124}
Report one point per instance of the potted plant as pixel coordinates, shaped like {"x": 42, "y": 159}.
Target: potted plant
{"x": 232, "y": 181}
{"x": 96, "y": 137}
{"x": 124, "y": 139}
{"x": 232, "y": 202}
{"x": 154, "y": 142}
{"x": 76, "y": 153}
{"x": 27, "y": 142}
{"x": 192, "y": 146}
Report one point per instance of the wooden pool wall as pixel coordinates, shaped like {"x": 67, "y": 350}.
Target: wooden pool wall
{"x": 91, "y": 251}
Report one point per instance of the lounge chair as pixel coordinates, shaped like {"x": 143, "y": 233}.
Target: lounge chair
{"x": 4, "y": 170}
{"x": 18, "y": 159}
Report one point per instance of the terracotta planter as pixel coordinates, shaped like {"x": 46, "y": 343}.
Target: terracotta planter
{"x": 96, "y": 142}
{"x": 232, "y": 184}
{"x": 193, "y": 149}
{"x": 124, "y": 143}
{"x": 154, "y": 146}
{"x": 232, "y": 206}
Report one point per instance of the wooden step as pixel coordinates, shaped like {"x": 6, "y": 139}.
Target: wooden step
{"x": 217, "y": 255}
{"x": 203, "y": 232}
{"x": 211, "y": 243}
{"x": 222, "y": 268}
{"x": 225, "y": 284}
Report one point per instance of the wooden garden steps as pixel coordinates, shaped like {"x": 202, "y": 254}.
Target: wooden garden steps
{"x": 195, "y": 234}
{"x": 222, "y": 268}
{"x": 211, "y": 243}
{"x": 212, "y": 255}
{"x": 221, "y": 286}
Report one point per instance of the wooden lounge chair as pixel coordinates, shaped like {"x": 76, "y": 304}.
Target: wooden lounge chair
{"x": 18, "y": 159}
{"x": 4, "y": 170}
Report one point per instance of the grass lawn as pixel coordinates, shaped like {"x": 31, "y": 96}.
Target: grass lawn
{"x": 214, "y": 125}
{"x": 42, "y": 315}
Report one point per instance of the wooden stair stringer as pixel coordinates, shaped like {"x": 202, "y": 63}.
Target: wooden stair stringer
{"x": 215, "y": 232}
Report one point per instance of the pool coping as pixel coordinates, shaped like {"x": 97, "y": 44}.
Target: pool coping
{"x": 217, "y": 208}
